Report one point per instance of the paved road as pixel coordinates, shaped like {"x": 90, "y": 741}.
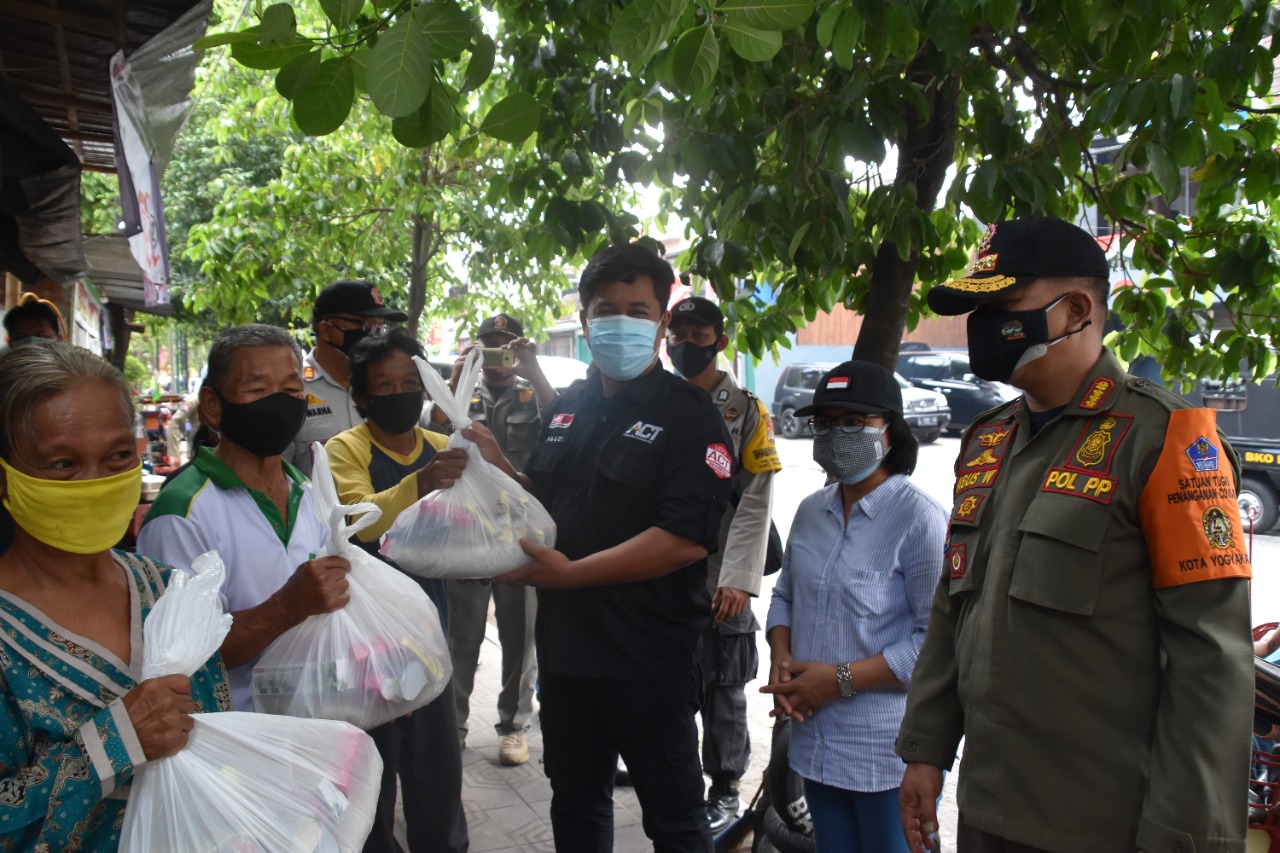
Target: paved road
{"x": 801, "y": 476}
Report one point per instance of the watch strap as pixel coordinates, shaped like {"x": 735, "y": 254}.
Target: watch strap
{"x": 844, "y": 678}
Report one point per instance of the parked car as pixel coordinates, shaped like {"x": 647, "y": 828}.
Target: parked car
{"x": 926, "y": 411}
{"x": 947, "y": 372}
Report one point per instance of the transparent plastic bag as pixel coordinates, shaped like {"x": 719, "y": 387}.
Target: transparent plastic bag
{"x": 381, "y": 656}
{"x": 244, "y": 783}
{"x": 473, "y": 528}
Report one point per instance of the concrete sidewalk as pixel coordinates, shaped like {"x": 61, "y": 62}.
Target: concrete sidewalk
{"x": 508, "y": 808}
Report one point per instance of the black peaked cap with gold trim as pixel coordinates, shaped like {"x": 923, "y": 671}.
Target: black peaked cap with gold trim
{"x": 1015, "y": 253}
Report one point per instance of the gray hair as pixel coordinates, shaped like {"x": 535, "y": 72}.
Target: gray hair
{"x": 29, "y": 375}
{"x": 222, "y": 353}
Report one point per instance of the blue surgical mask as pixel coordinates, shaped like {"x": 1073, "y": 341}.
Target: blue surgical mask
{"x": 622, "y": 346}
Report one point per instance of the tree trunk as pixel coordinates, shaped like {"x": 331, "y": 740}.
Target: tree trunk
{"x": 924, "y": 154}
{"x": 422, "y": 229}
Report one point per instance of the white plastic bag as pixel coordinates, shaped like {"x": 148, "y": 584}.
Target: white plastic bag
{"x": 473, "y": 528}
{"x": 381, "y": 656}
{"x": 244, "y": 783}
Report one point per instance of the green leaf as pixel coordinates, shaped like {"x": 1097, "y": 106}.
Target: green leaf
{"x": 480, "y": 66}
{"x": 447, "y": 27}
{"x": 514, "y": 118}
{"x": 1182, "y": 96}
{"x": 797, "y": 238}
{"x": 431, "y": 123}
{"x": 279, "y": 24}
{"x": 266, "y": 57}
{"x": 399, "y": 72}
{"x": 696, "y": 58}
{"x": 323, "y": 106}
{"x": 297, "y": 74}
{"x": 637, "y": 32}
{"x": 219, "y": 39}
{"x": 1164, "y": 170}
{"x": 342, "y": 13}
{"x": 752, "y": 44}
{"x": 827, "y": 24}
{"x": 769, "y": 14}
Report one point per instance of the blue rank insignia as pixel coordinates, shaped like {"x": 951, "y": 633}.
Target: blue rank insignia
{"x": 1203, "y": 454}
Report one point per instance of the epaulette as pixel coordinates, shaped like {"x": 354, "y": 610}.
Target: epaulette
{"x": 1154, "y": 391}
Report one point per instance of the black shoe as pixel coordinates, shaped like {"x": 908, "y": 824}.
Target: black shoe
{"x": 722, "y": 807}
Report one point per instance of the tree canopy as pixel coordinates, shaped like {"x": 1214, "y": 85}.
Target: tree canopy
{"x": 820, "y": 151}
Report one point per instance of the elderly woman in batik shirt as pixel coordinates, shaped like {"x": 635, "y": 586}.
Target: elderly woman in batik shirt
{"x": 75, "y": 723}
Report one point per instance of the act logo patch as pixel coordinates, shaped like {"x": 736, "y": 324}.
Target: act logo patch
{"x": 1217, "y": 528}
{"x": 643, "y": 432}
{"x": 1203, "y": 454}
{"x": 718, "y": 460}
{"x": 561, "y": 421}
{"x": 1013, "y": 331}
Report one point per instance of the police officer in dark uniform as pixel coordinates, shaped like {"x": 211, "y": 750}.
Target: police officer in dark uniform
{"x": 635, "y": 466}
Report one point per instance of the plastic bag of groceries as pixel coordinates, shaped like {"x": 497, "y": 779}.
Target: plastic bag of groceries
{"x": 381, "y": 656}
{"x": 473, "y": 528}
{"x": 244, "y": 783}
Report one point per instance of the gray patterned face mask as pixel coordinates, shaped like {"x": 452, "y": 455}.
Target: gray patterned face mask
{"x": 850, "y": 457}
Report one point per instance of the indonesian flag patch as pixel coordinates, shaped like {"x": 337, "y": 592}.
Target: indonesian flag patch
{"x": 562, "y": 420}
{"x": 718, "y": 460}
{"x": 836, "y": 383}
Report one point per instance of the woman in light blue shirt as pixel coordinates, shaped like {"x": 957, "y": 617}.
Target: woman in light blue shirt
{"x": 849, "y": 612}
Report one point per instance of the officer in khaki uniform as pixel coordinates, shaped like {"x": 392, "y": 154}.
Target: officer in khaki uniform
{"x": 695, "y": 337}
{"x": 1090, "y": 640}
{"x": 509, "y": 402}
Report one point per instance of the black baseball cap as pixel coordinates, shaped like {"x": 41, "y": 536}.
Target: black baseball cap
{"x": 1015, "y": 253}
{"x": 856, "y": 386}
{"x": 501, "y": 324}
{"x": 355, "y": 296}
{"x": 701, "y": 311}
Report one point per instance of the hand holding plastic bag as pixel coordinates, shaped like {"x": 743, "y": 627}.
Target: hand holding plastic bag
{"x": 473, "y": 528}
{"x": 380, "y": 657}
{"x": 244, "y": 783}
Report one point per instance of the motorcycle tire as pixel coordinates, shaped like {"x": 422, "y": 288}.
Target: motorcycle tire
{"x": 783, "y": 837}
{"x": 786, "y": 787}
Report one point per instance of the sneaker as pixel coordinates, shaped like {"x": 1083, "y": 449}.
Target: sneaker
{"x": 513, "y": 749}
{"x": 722, "y": 807}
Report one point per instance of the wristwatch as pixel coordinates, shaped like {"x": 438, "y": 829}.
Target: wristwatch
{"x": 845, "y": 679}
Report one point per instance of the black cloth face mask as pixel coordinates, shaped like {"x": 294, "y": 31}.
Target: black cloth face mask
{"x": 690, "y": 358}
{"x": 265, "y": 427}
{"x": 350, "y": 337}
{"x": 395, "y": 413}
{"x": 1002, "y": 341}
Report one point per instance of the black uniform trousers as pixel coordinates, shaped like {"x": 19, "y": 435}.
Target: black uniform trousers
{"x": 587, "y": 723}
{"x": 422, "y": 749}
{"x": 729, "y": 661}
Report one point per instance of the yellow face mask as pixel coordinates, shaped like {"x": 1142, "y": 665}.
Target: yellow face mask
{"x": 80, "y": 516}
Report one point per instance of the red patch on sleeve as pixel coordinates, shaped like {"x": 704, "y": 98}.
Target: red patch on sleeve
{"x": 719, "y": 461}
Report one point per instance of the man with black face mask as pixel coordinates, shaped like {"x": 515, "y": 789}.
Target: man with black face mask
{"x": 1090, "y": 639}
{"x": 345, "y": 312}
{"x": 245, "y": 501}
{"x": 695, "y": 337}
